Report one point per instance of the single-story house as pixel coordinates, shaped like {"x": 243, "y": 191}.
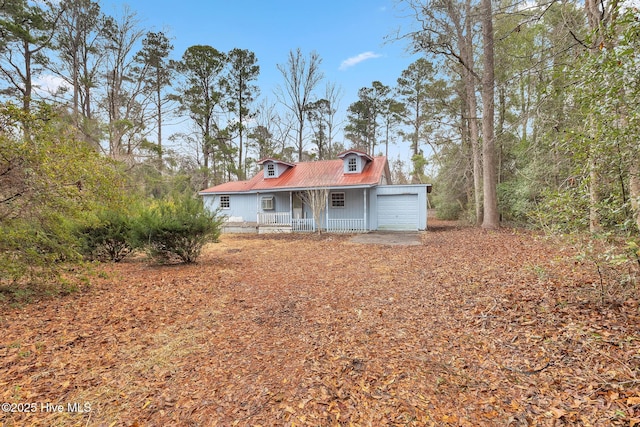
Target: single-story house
{"x": 359, "y": 197}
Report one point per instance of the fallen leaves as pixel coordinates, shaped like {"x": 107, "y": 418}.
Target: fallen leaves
{"x": 472, "y": 328}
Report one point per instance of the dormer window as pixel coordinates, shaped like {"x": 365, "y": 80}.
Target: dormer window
{"x": 354, "y": 161}
{"x": 271, "y": 170}
{"x": 352, "y": 164}
{"x": 274, "y": 168}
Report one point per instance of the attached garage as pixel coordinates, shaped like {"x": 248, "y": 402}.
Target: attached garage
{"x": 400, "y": 207}
{"x": 398, "y": 212}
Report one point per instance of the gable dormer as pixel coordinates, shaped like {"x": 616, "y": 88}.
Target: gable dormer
{"x": 354, "y": 161}
{"x": 274, "y": 168}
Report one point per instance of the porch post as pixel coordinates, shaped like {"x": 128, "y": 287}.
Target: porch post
{"x": 290, "y": 207}
{"x": 365, "y": 209}
{"x": 326, "y": 210}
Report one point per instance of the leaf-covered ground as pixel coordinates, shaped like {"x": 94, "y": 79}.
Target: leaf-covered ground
{"x": 472, "y": 328}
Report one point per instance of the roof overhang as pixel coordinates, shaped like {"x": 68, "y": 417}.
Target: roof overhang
{"x": 269, "y": 159}
{"x": 357, "y": 153}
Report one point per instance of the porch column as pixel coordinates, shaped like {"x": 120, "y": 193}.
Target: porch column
{"x": 365, "y": 209}
{"x": 326, "y": 209}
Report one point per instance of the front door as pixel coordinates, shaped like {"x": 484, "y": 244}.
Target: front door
{"x": 298, "y": 207}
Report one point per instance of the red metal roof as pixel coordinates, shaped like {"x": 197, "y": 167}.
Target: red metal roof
{"x": 324, "y": 173}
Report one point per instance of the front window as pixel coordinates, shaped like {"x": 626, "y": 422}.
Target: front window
{"x": 267, "y": 204}
{"x": 337, "y": 200}
{"x": 225, "y": 202}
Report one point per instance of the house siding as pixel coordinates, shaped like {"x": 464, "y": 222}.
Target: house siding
{"x": 419, "y": 190}
{"x": 280, "y": 199}
{"x": 240, "y": 206}
{"x": 353, "y": 204}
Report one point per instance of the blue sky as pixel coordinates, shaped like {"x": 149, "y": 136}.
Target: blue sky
{"x": 349, "y": 36}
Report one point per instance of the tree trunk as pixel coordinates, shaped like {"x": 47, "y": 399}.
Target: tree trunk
{"x": 594, "y": 196}
{"x": 300, "y": 140}
{"x": 28, "y": 83}
{"x": 466, "y": 148}
{"x": 466, "y": 52}
{"x": 491, "y": 217}
{"x": 240, "y": 171}
{"x": 159, "y": 104}
{"x": 474, "y": 137}
{"x": 76, "y": 89}
{"x": 634, "y": 190}
{"x": 595, "y": 20}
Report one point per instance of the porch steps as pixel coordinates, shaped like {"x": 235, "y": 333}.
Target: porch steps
{"x": 274, "y": 228}
{"x": 240, "y": 227}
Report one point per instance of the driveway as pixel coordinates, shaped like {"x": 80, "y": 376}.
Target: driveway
{"x": 399, "y": 238}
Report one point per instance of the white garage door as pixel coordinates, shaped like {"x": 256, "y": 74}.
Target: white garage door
{"x": 398, "y": 212}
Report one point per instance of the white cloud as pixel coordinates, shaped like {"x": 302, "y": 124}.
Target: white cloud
{"x": 350, "y": 62}
{"x": 49, "y": 84}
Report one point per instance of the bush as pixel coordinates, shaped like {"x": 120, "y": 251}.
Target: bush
{"x": 34, "y": 252}
{"x": 49, "y": 182}
{"x": 447, "y": 205}
{"x": 448, "y": 210}
{"x": 516, "y": 200}
{"x": 562, "y": 212}
{"x": 176, "y": 230}
{"x": 110, "y": 239}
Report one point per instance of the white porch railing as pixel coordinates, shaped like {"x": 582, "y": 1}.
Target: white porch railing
{"x": 308, "y": 224}
{"x": 274, "y": 218}
{"x": 303, "y": 224}
{"x": 346, "y": 225}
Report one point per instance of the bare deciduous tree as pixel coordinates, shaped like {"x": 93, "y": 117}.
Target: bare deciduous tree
{"x": 123, "y": 106}
{"x": 300, "y": 79}
{"x": 316, "y": 199}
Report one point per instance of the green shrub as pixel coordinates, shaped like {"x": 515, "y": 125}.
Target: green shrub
{"x": 49, "y": 182}
{"x": 110, "y": 239}
{"x": 33, "y": 252}
{"x": 448, "y": 210}
{"x": 562, "y": 212}
{"x": 516, "y": 200}
{"x": 176, "y": 230}
{"x": 447, "y": 205}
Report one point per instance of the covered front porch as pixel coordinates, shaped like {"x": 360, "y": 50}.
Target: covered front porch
{"x": 344, "y": 211}
{"x": 338, "y": 225}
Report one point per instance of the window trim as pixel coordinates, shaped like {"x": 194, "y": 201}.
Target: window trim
{"x": 269, "y": 199}
{"x": 224, "y": 202}
{"x": 343, "y": 199}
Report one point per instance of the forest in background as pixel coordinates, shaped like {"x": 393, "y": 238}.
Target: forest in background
{"x": 518, "y": 112}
